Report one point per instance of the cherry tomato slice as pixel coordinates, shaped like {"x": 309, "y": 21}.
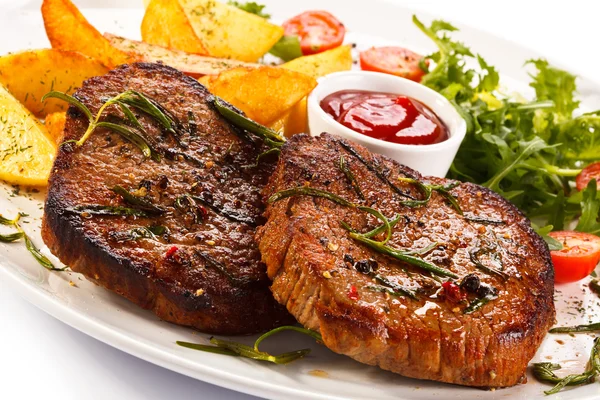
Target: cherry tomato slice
{"x": 590, "y": 172}
{"x": 393, "y": 60}
{"x": 578, "y": 258}
{"x": 317, "y": 30}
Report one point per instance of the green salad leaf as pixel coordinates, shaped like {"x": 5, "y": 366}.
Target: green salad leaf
{"x": 287, "y": 48}
{"x": 251, "y": 7}
{"x": 529, "y": 151}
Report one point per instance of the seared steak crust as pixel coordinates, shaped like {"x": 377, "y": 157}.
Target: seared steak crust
{"x": 315, "y": 268}
{"x": 205, "y": 272}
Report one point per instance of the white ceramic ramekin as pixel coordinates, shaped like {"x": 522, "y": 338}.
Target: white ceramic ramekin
{"x": 430, "y": 160}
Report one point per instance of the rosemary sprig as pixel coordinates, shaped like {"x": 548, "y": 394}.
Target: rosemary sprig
{"x": 392, "y": 288}
{"x": 99, "y": 209}
{"x": 381, "y": 228}
{"x": 474, "y": 256}
{"x": 477, "y": 303}
{"x": 34, "y": 251}
{"x": 314, "y": 192}
{"x": 129, "y": 97}
{"x": 545, "y": 372}
{"x": 483, "y": 220}
{"x": 595, "y": 327}
{"x": 378, "y": 173}
{"x": 426, "y": 189}
{"x": 226, "y": 347}
{"x": 350, "y": 177}
{"x": 139, "y": 201}
{"x": 142, "y": 232}
{"x": 11, "y": 237}
{"x": 270, "y": 137}
{"x": 407, "y": 257}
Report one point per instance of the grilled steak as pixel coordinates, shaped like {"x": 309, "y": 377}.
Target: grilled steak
{"x": 477, "y": 321}
{"x": 188, "y": 253}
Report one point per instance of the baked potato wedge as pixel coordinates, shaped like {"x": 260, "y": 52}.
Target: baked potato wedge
{"x": 294, "y": 121}
{"x": 191, "y": 64}
{"x": 229, "y": 32}
{"x": 321, "y": 64}
{"x": 265, "y": 94}
{"x": 29, "y": 75}
{"x": 67, "y": 29}
{"x": 55, "y": 125}
{"x": 165, "y": 24}
{"x": 26, "y": 150}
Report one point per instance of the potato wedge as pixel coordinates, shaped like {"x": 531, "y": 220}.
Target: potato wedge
{"x": 29, "y": 75}
{"x": 55, "y": 125}
{"x": 26, "y": 151}
{"x": 321, "y": 64}
{"x": 264, "y": 94}
{"x": 165, "y": 24}
{"x": 67, "y": 29}
{"x": 229, "y": 32}
{"x": 191, "y": 64}
{"x": 294, "y": 121}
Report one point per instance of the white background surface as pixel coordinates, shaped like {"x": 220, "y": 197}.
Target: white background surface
{"x": 43, "y": 358}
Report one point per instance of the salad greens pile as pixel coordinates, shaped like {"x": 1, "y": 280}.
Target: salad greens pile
{"x": 528, "y": 151}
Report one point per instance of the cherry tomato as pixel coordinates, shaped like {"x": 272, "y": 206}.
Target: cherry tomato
{"x": 393, "y": 60}
{"x": 317, "y": 30}
{"x": 578, "y": 258}
{"x": 590, "y": 172}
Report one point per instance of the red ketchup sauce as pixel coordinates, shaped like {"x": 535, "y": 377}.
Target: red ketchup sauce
{"x": 386, "y": 116}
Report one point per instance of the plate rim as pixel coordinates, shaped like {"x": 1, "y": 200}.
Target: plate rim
{"x": 203, "y": 371}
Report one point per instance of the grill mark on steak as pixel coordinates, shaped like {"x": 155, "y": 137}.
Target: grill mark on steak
{"x": 307, "y": 254}
{"x": 227, "y": 290}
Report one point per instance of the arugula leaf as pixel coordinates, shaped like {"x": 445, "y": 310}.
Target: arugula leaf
{"x": 557, "y": 85}
{"x": 590, "y": 206}
{"x": 251, "y": 7}
{"x": 553, "y": 244}
{"x": 287, "y": 48}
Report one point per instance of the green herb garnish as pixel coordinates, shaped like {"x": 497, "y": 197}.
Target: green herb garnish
{"x": 474, "y": 256}
{"x": 142, "y": 232}
{"x": 272, "y": 138}
{"x": 479, "y": 302}
{"x": 140, "y": 201}
{"x": 133, "y": 133}
{"x": 595, "y": 327}
{"x": 99, "y": 209}
{"x": 35, "y": 252}
{"x": 426, "y": 189}
{"x": 343, "y": 166}
{"x": 401, "y": 255}
{"x": 226, "y": 347}
{"x": 545, "y": 372}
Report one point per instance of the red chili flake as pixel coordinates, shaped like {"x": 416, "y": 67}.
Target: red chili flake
{"x": 203, "y": 212}
{"x": 452, "y": 291}
{"x": 171, "y": 251}
{"x": 353, "y": 293}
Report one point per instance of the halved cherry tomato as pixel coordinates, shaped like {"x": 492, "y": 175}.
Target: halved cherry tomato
{"x": 393, "y": 60}
{"x": 590, "y": 172}
{"x": 317, "y": 30}
{"x": 578, "y": 258}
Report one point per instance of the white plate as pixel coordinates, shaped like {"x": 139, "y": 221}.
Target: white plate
{"x": 115, "y": 321}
